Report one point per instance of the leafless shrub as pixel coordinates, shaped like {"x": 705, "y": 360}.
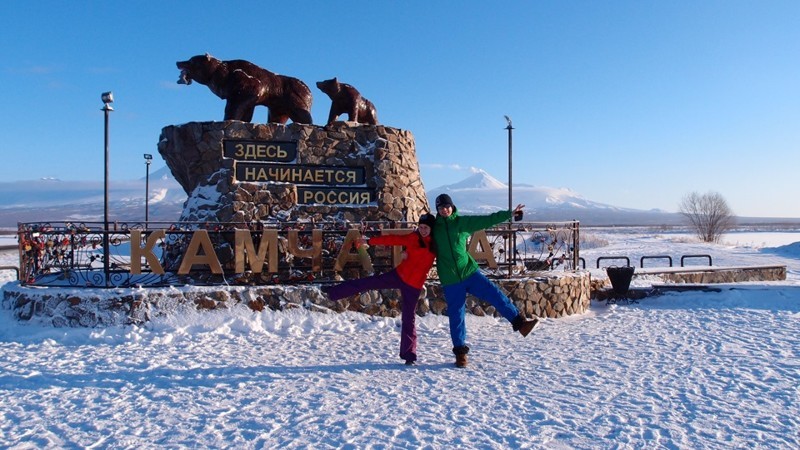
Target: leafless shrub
{"x": 708, "y": 214}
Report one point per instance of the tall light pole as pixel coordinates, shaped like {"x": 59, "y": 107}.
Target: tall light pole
{"x": 509, "y": 128}
{"x": 108, "y": 99}
{"x": 511, "y": 246}
{"x": 148, "y": 158}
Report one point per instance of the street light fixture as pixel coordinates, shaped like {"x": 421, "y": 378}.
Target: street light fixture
{"x": 108, "y": 99}
{"x": 148, "y": 158}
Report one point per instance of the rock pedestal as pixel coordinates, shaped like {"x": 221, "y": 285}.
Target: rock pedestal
{"x": 344, "y": 171}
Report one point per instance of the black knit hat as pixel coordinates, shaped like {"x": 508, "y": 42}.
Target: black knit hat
{"x": 427, "y": 219}
{"x": 444, "y": 200}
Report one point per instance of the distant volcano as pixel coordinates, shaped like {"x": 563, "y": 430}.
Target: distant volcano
{"x": 478, "y": 180}
{"x": 481, "y": 193}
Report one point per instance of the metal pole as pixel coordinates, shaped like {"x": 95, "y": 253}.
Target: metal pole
{"x": 510, "y": 164}
{"x": 107, "y": 110}
{"x": 510, "y": 258}
{"x": 107, "y": 99}
{"x": 147, "y": 194}
{"x": 105, "y": 165}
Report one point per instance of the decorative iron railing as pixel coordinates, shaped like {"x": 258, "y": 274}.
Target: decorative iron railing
{"x": 174, "y": 254}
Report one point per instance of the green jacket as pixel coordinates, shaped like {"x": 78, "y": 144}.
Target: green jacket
{"x": 453, "y": 261}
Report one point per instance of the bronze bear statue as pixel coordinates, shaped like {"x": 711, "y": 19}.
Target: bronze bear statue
{"x": 347, "y": 99}
{"x": 245, "y": 85}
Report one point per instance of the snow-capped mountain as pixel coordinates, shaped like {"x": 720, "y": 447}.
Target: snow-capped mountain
{"x": 481, "y": 193}
{"x": 51, "y": 199}
{"x": 54, "y": 200}
{"x": 478, "y": 180}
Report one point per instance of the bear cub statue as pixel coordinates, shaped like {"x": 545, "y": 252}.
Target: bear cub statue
{"x": 347, "y": 99}
{"x": 245, "y": 85}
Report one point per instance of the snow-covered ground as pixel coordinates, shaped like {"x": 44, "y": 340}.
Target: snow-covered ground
{"x": 695, "y": 370}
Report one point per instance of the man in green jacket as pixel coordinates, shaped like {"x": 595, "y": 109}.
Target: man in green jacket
{"x": 459, "y": 274}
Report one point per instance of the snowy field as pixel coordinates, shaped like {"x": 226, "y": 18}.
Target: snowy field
{"x": 691, "y": 370}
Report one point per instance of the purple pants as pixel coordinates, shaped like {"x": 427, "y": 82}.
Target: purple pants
{"x": 388, "y": 280}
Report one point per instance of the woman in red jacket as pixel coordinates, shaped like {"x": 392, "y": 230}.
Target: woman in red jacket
{"x": 409, "y": 277}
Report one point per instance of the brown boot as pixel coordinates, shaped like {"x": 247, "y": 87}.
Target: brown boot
{"x": 461, "y": 355}
{"x": 523, "y": 325}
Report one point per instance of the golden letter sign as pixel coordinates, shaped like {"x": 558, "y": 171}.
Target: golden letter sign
{"x": 297, "y": 174}
{"x": 334, "y": 196}
{"x": 262, "y": 256}
{"x": 267, "y": 151}
{"x": 265, "y": 162}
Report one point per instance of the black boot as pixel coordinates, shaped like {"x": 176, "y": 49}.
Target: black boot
{"x": 461, "y": 355}
{"x": 411, "y": 359}
{"x": 523, "y": 325}
{"x": 325, "y": 289}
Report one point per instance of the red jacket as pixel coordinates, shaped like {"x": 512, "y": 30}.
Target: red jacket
{"x": 414, "y": 269}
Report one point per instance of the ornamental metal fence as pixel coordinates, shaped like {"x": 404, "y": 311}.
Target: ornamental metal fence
{"x": 157, "y": 254}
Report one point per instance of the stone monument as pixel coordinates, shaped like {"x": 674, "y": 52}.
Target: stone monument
{"x": 242, "y": 172}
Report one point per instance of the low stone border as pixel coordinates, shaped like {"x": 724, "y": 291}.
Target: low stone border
{"x": 551, "y": 296}
{"x": 710, "y": 275}
{"x": 697, "y": 277}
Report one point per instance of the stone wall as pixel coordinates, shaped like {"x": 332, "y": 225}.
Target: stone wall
{"x": 556, "y": 295}
{"x": 552, "y": 296}
{"x": 194, "y": 154}
{"x": 724, "y": 275}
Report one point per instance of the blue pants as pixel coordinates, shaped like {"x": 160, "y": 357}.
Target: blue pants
{"x": 479, "y": 286}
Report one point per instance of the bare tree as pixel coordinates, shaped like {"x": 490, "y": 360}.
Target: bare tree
{"x": 709, "y": 214}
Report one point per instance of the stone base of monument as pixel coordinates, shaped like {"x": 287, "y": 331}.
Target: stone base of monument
{"x": 552, "y": 296}
{"x": 242, "y": 172}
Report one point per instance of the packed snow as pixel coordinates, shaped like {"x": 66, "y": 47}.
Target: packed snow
{"x": 713, "y": 370}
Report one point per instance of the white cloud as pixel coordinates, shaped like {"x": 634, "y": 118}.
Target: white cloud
{"x": 170, "y": 85}
{"x": 32, "y": 70}
{"x": 457, "y": 167}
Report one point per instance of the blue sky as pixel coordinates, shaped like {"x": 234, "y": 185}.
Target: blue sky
{"x": 631, "y": 103}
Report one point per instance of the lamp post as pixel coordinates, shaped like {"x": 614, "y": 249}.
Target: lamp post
{"x": 511, "y": 245}
{"x": 148, "y": 158}
{"x": 509, "y": 128}
{"x": 108, "y": 99}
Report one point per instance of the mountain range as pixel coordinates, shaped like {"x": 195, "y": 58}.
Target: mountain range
{"x": 481, "y": 193}
{"x": 52, "y": 200}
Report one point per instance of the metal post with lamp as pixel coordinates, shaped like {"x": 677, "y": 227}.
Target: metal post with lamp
{"x": 511, "y": 246}
{"x": 148, "y": 158}
{"x": 108, "y": 99}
